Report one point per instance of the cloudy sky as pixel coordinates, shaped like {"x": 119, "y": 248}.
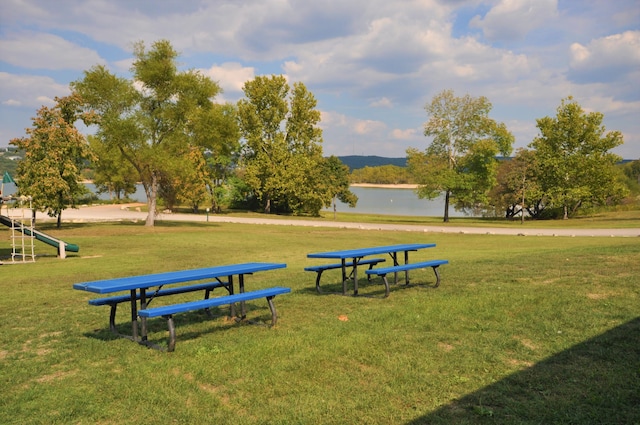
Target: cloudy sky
{"x": 373, "y": 65}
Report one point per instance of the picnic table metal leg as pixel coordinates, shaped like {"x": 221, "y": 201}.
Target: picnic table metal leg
{"x": 318, "y": 281}
{"x": 272, "y": 307}
{"x": 112, "y": 318}
{"x": 355, "y": 276}
{"x": 406, "y": 273}
{"x": 232, "y": 311}
{"x": 134, "y": 315}
{"x": 386, "y": 285}
{"x": 172, "y": 333}
{"x": 435, "y": 270}
{"x": 344, "y": 277}
{"x": 394, "y": 255}
{"x": 143, "y": 306}
{"x": 243, "y": 310}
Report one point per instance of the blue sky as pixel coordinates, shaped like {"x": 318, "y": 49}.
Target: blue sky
{"x": 373, "y": 65}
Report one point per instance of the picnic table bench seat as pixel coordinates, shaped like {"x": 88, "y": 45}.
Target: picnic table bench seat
{"x": 168, "y": 311}
{"x": 113, "y": 301}
{"x": 322, "y": 267}
{"x": 383, "y": 271}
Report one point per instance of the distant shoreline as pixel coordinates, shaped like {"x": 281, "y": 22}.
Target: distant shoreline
{"x": 386, "y": 186}
{"x": 376, "y": 185}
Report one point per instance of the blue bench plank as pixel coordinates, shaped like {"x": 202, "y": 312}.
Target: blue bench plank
{"x": 383, "y": 271}
{"x": 321, "y": 268}
{"x": 167, "y": 278}
{"x": 168, "y": 311}
{"x": 404, "y": 267}
{"x": 161, "y": 293}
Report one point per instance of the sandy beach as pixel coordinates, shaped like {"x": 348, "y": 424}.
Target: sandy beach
{"x": 386, "y": 186}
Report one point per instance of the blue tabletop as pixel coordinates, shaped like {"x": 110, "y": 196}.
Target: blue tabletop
{"x": 147, "y": 281}
{"x": 362, "y": 252}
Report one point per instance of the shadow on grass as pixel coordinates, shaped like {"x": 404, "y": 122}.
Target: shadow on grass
{"x": 595, "y": 382}
{"x": 219, "y": 320}
{"x": 373, "y": 288}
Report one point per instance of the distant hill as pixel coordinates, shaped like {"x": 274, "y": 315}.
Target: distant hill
{"x": 357, "y": 161}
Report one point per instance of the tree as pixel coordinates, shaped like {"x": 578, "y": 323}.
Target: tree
{"x": 150, "y": 119}
{"x": 517, "y": 188}
{"x": 111, "y": 172}
{"x": 631, "y": 172}
{"x": 55, "y": 152}
{"x": 282, "y": 150}
{"x": 461, "y": 160}
{"x": 575, "y": 165}
{"x": 336, "y": 182}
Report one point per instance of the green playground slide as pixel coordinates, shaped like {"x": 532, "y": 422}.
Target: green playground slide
{"x": 42, "y": 237}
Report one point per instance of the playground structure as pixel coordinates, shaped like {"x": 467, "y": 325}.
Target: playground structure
{"x": 22, "y": 241}
{"x": 20, "y": 220}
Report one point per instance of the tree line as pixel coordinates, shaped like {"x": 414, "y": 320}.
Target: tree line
{"x": 162, "y": 128}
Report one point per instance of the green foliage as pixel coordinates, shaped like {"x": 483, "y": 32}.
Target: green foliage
{"x": 282, "y": 155}
{"x": 631, "y": 173}
{"x": 335, "y": 181}
{"x": 461, "y": 160}
{"x": 10, "y": 165}
{"x": 383, "y": 174}
{"x": 156, "y": 119}
{"x": 575, "y": 167}
{"x": 55, "y": 152}
{"x": 517, "y": 188}
{"x": 111, "y": 172}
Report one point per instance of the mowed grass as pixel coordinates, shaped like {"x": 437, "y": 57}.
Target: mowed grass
{"x": 522, "y": 330}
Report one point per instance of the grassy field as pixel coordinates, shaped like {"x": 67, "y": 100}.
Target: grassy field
{"x": 522, "y": 330}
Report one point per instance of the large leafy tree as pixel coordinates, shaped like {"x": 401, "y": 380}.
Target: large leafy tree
{"x": 55, "y": 152}
{"x": 575, "y": 164}
{"x": 151, "y": 118}
{"x": 461, "y": 160}
{"x": 282, "y": 153}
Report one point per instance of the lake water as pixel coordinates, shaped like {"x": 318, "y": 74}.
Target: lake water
{"x": 371, "y": 200}
{"x": 375, "y": 200}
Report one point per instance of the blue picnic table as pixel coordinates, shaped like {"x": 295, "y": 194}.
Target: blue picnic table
{"x": 143, "y": 289}
{"x": 351, "y": 258}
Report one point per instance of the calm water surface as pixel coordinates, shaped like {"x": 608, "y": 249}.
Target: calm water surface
{"x": 371, "y": 200}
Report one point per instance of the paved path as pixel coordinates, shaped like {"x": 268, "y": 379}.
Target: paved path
{"x": 132, "y": 212}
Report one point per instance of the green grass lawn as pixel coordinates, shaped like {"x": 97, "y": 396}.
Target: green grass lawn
{"x": 522, "y": 330}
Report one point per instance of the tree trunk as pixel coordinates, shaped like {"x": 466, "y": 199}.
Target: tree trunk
{"x": 152, "y": 193}
{"x": 59, "y": 221}
{"x": 267, "y": 205}
{"x": 522, "y": 207}
{"x": 566, "y": 212}
{"x": 446, "y": 206}
{"x": 334, "y": 208}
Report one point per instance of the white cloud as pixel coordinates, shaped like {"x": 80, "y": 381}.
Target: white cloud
{"x": 373, "y": 63}
{"x": 383, "y": 102}
{"x": 231, "y": 76}
{"x": 407, "y": 134}
{"x": 46, "y": 51}
{"x": 606, "y": 59}
{"x": 511, "y": 20}
{"x": 29, "y": 91}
